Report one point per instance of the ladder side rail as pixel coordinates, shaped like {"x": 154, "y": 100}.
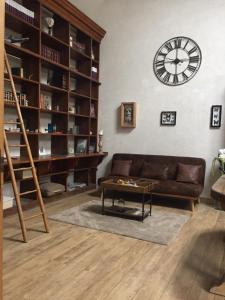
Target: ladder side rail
{"x": 28, "y": 145}
{"x": 15, "y": 189}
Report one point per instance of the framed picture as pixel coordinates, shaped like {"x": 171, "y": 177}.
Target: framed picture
{"x": 168, "y": 118}
{"x": 128, "y": 114}
{"x": 81, "y": 146}
{"x": 216, "y": 113}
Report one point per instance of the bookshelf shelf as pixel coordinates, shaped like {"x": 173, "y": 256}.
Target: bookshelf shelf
{"x": 54, "y": 75}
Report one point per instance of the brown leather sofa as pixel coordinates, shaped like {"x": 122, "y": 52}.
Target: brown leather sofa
{"x": 178, "y": 177}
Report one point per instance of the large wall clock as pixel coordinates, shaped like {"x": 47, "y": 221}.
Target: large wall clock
{"x": 177, "y": 61}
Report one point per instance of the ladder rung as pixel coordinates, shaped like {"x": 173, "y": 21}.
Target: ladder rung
{"x": 34, "y": 216}
{"x": 22, "y": 169}
{"x": 28, "y": 192}
{"x": 11, "y": 122}
{"x": 21, "y": 146}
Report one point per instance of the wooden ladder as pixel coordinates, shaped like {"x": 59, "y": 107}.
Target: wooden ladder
{"x": 31, "y": 168}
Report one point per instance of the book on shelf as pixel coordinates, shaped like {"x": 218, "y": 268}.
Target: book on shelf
{"x": 50, "y": 53}
{"x": 19, "y": 10}
{"x": 9, "y": 98}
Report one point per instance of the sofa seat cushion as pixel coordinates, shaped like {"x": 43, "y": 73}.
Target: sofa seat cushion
{"x": 173, "y": 187}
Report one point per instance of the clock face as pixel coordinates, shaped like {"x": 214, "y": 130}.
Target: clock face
{"x": 177, "y": 61}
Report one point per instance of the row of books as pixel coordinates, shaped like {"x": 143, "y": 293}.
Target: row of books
{"x": 19, "y": 11}
{"x": 9, "y": 98}
{"x": 50, "y": 53}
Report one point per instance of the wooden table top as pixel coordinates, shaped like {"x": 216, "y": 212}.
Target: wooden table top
{"x": 140, "y": 185}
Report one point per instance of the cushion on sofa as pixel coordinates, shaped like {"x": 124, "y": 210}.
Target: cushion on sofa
{"x": 189, "y": 173}
{"x": 121, "y": 167}
{"x": 154, "y": 170}
{"x": 136, "y": 167}
{"x": 172, "y": 187}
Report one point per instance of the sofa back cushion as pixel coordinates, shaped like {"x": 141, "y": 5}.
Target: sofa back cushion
{"x": 189, "y": 173}
{"x": 154, "y": 170}
{"x": 121, "y": 167}
{"x": 136, "y": 167}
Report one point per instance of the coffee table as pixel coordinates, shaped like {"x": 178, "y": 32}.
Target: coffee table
{"x": 139, "y": 186}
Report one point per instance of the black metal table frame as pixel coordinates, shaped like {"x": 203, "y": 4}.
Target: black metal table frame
{"x": 143, "y": 201}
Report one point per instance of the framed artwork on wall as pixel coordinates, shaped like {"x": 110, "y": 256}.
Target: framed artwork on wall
{"x": 128, "y": 114}
{"x": 168, "y": 118}
{"x": 215, "y": 118}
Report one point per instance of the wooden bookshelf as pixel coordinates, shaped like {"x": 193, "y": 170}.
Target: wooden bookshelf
{"x": 58, "y": 88}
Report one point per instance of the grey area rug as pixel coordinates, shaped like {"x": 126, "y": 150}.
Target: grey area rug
{"x": 161, "y": 228}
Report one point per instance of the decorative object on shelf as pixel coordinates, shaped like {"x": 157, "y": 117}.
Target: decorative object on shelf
{"x": 73, "y": 65}
{"x": 216, "y": 113}
{"x": 177, "y": 61}
{"x": 92, "y": 54}
{"x": 92, "y": 111}
{"x": 79, "y": 47}
{"x": 81, "y": 146}
{"x": 168, "y": 118}
{"x": 72, "y": 109}
{"x": 70, "y": 150}
{"x": 100, "y": 141}
{"x": 50, "y": 128}
{"x": 94, "y": 72}
{"x": 50, "y": 23}
{"x": 16, "y": 41}
{"x": 128, "y": 114}
{"x": 76, "y": 129}
{"x": 18, "y": 71}
{"x": 91, "y": 148}
{"x": 42, "y": 151}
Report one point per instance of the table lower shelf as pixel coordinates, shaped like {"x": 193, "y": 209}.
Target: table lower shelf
{"x": 125, "y": 212}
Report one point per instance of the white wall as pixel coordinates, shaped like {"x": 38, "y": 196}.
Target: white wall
{"x": 135, "y": 31}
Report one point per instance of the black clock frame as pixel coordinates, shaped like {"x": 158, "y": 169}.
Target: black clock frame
{"x": 170, "y": 48}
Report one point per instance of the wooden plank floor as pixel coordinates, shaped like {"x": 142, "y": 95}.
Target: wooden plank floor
{"x": 72, "y": 262}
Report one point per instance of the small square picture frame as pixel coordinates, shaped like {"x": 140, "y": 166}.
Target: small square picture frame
{"x": 215, "y": 116}
{"x": 168, "y": 118}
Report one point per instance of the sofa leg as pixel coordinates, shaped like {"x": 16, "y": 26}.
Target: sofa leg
{"x": 192, "y": 206}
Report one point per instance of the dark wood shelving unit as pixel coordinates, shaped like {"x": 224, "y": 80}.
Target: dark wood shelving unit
{"x": 60, "y": 88}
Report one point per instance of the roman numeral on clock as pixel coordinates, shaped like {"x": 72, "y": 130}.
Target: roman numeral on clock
{"x": 169, "y": 47}
{"x": 185, "y": 77}
{"x": 167, "y": 77}
{"x": 177, "y": 43}
{"x": 160, "y": 63}
{"x": 162, "y": 54}
{"x": 175, "y": 79}
{"x": 186, "y": 44}
{"x": 194, "y": 59}
{"x": 191, "y": 68}
{"x": 161, "y": 71}
{"x": 192, "y": 50}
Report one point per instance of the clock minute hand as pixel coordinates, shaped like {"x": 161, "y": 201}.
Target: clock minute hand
{"x": 184, "y": 59}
